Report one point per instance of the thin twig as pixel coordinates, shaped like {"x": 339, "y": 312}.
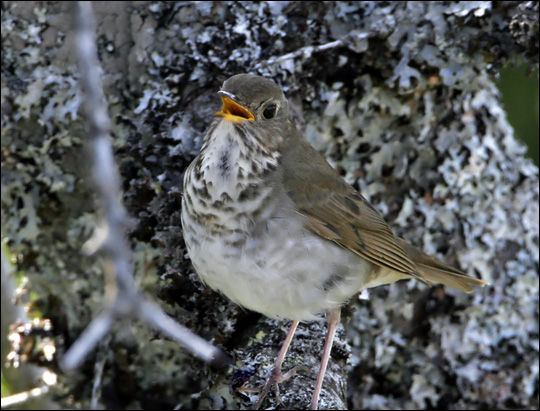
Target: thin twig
{"x": 89, "y": 338}
{"x": 128, "y": 302}
{"x": 192, "y": 342}
{"x": 305, "y": 51}
{"x": 99, "y": 366}
{"x": 22, "y": 397}
{"x": 355, "y": 40}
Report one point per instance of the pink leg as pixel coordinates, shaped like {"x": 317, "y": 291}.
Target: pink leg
{"x": 333, "y": 322}
{"x": 275, "y": 375}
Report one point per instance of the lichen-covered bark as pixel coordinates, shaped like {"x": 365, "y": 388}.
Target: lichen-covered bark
{"x": 404, "y": 107}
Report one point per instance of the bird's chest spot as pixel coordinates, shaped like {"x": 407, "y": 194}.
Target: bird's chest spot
{"x": 223, "y": 205}
{"x": 225, "y": 163}
{"x": 224, "y": 172}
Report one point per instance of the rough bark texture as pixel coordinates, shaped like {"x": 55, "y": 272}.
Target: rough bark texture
{"x": 405, "y": 108}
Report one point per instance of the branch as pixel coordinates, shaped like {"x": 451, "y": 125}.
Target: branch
{"x": 354, "y": 40}
{"x": 22, "y": 397}
{"x": 128, "y": 302}
{"x": 305, "y": 51}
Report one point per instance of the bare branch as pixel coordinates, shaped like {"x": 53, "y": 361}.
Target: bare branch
{"x": 195, "y": 344}
{"x": 99, "y": 366}
{"x": 128, "y": 303}
{"x": 86, "y": 342}
{"x": 355, "y": 40}
{"x": 305, "y": 51}
{"x": 22, "y": 397}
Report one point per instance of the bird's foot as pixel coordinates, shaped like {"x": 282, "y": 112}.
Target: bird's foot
{"x": 276, "y": 377}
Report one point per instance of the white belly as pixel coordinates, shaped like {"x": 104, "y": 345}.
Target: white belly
{"x": 283, "y": 272}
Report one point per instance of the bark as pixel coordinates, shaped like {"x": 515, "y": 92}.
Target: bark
{"x": 400, "y": 99}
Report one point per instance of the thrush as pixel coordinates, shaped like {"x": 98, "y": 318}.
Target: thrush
{"x": 269, "y": 223}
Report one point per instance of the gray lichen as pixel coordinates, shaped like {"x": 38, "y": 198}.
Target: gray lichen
{"x": 403, "y": 106}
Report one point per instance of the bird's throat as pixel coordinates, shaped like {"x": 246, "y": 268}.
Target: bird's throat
{"x": 232, "y": 174}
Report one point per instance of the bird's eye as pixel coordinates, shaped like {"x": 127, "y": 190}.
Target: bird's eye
{"x": 270, "y": 111}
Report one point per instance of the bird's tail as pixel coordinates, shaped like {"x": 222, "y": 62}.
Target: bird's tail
{"x": 435, "y": 271}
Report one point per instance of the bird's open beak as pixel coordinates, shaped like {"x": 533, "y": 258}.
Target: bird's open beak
{"x": 233, "y": 111}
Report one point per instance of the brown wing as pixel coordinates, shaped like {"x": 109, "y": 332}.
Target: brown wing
{"x": 337, "y": 212}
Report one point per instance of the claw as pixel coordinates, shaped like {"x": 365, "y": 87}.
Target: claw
{"x": 276, "y": 377}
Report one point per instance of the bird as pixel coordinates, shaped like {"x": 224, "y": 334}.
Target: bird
{"x": 271, "y": 225}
